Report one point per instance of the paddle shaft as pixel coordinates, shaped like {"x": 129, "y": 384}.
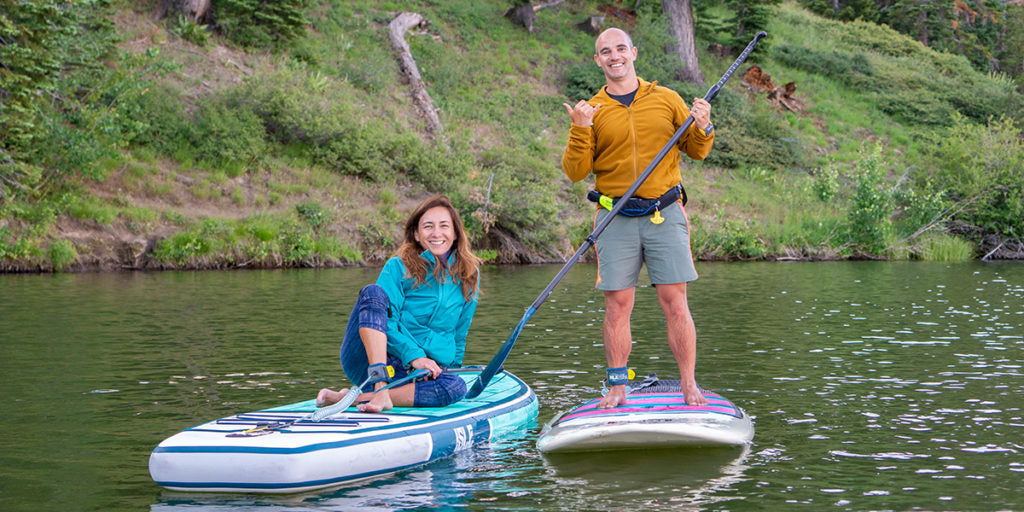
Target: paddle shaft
{"x": 499, "y": 359}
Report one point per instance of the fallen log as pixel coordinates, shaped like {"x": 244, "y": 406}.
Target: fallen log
{"x": 420, "y": 97}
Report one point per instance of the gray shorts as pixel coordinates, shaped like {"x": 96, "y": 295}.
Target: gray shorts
{"x": 629, "y": 242}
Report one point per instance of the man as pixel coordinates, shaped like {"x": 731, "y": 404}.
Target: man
{"x": 615, "y": 135}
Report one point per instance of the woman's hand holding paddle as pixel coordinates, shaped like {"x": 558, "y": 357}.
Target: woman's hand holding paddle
{"x": 427, "y": 363}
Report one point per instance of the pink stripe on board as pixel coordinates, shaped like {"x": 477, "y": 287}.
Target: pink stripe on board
{"x": 671, "y": 398}
{"x": 678, "y": 404}
{"x": 623, "y": 410}
{"x": 720, "y": 406}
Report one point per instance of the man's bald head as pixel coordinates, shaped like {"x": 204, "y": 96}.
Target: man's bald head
{"x": 607, "y": 34}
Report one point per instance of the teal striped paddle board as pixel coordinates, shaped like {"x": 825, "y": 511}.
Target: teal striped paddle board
{"x": 277, "y": 451}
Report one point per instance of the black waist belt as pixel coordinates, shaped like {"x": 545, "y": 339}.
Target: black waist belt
{"x": 638, "y": 207}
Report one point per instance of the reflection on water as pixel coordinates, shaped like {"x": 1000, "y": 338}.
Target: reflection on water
{"x": 677, "y": 479}
{"x": 873, "y": 386}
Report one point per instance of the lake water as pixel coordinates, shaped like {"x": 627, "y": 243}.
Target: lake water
{"x": 873, "y": 386}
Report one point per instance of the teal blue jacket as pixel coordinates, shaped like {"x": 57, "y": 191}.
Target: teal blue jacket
{"x": 429, "y": 320}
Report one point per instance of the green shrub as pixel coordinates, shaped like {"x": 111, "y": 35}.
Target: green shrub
{"x": 378, "y": 235}
{"x": 259, "y": 22}
{"x": 747, "y": 133}
{"x": 15, "y": 246}
{"x": 947, "y": 249}
{"x": 238, "y": 196}
{"x": 914, "y": 106}
{"x": 880, "y": 38}
{"x": 981, "y": 98}
{"x": 183, "y": 248}
{"x": 583, "y": 81}
{"x": 297, "y": 245}
{"x": 487, "y": 255}
{"x": 331, "y": 248}
{"x": 227, "y": 131}
{"x": 979, "y": 167}
{"x": 826, "y": 183}
{"x": 159, "y": 114}
{"x": 90, "y": 208}
{"x": 62, "y": 254}
{"x": 736, "y": 239}
{"x": 313, "y": 214}
{"x": 262, "y": 228}
{"x": 870, "y": 225}
{"x": 364, "y": 57}
{"x": 369, "y": 151}
{"x": 521, "y": 196}
{"x": 350, "y": 254}
{"x": 438, "y": 168}
{"x": 191, "y": 31}
{"x": 51, "y": 53}
{"x": 834, "y": 64}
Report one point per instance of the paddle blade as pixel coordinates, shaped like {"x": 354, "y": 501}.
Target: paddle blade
{"x": 499, "y": 359}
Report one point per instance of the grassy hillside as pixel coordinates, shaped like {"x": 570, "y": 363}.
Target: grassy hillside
{"x": 311, "y": 153}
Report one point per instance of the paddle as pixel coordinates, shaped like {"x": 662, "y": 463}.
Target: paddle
{"x": 499, "y": 359}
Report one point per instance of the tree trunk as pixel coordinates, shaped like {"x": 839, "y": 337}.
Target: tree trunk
{"x": 680, "y": 15}
{"x": 922, "y": 21}
{"x": 420, "y": 97}
{"x": 194, "y": 10}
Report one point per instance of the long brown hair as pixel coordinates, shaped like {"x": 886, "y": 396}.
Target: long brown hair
{"x": 466, "y": 269}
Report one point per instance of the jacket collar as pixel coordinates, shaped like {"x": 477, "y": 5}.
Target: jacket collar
{"x": 645, "y": 87}
{"x": 429, "y": 256}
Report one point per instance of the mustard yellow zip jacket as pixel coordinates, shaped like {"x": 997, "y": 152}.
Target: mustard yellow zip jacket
{"x": 613, "y": 151}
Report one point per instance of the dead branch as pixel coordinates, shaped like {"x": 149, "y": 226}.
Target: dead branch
{"x": 420, "y": 97}
{"x": 755, "y": 79}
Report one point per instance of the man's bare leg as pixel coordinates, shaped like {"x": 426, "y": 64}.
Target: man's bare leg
{"x": 682, "y": 338}
{"x": 618, "y": 340}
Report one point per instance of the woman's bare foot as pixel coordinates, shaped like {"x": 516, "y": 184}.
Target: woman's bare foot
{"x": 379, "y": 403}
{"x": 327, "y": 397}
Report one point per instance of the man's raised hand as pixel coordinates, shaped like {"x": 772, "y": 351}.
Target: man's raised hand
{"x": 582, "y": 114}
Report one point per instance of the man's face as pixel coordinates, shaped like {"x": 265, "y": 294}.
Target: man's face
{"x": 615, "y": 54}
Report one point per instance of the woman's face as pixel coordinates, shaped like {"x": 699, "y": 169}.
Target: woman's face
{"x": 436, "y": 231}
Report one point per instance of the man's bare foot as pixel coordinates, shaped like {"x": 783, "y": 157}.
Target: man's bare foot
{"x": 379, "y": 403}
{"x": 327, "y": 397}
{"x": 616, "y": 396}
{"x": 694, "y": 397}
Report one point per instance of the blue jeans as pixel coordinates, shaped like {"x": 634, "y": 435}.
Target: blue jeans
{"x": 372, "y": 310}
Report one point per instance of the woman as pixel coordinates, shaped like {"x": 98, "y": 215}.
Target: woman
{"x": 416, "y": 316}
